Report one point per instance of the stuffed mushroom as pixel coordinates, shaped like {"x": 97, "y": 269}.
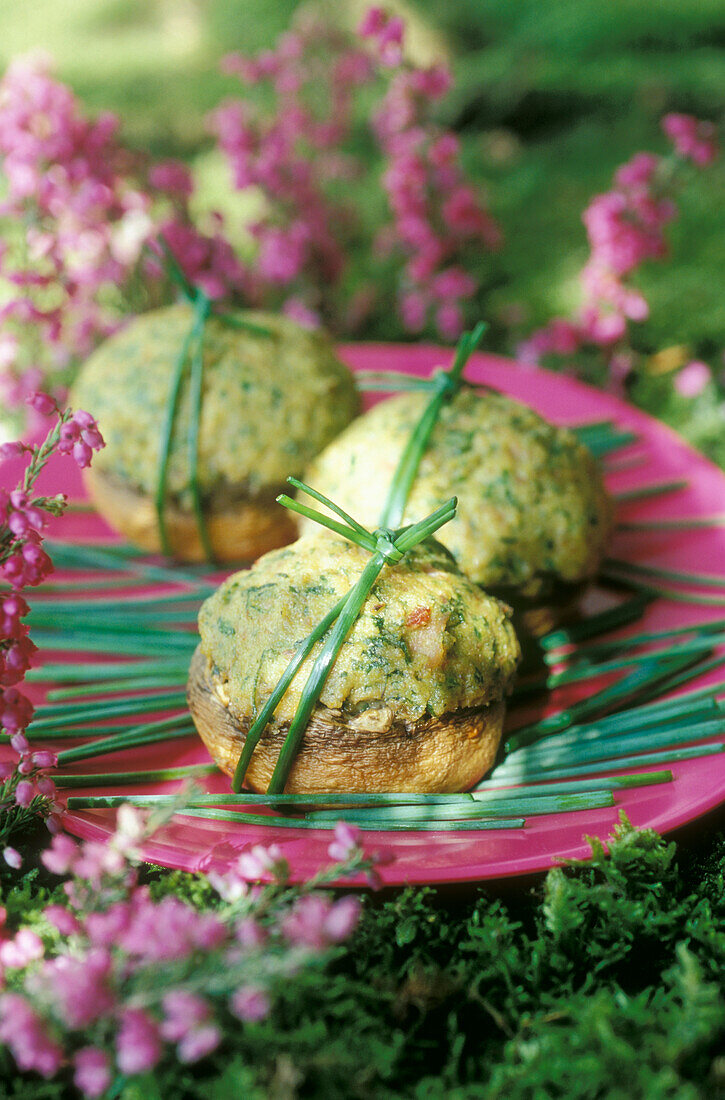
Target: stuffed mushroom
{"x": 415, "y": 700}
{"x": 533, "y": 513}
{"x": 269, "y": 402}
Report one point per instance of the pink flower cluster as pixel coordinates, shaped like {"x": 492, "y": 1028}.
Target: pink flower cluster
{"x": 121, "y": 990}
{"x": 625, "y": 228}
{"x": 24, "y": 563}
{"x": 293, "y": 154}
{"x": 66, "y": 184}
{"x": 436, "y": 214}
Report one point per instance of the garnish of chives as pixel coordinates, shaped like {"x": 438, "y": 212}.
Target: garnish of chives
{"x": 123, "y": 779}
{"x": 94, "y": 802}
{"x": 447, "y": 385}
{"x": 119, "y": 670}
{"x": 90, "y": 557}
{"x": 638, "y": 760}
{"x": 178, "y": 725}
{"x": 587, "y": 671}
{"x": 54, "y": 717}
{"x": 677, "y": 595}
{"x": 201, "y": 313}
{"x": 260, "y": 722}
{"x": 682, "y": 576}
{"x": 389, "y": 551}
{"x": 356, "y": 800}
{"x": 132, "y": 645}
{"x": 614, "y": 617}
{"x": 391, "y": 382}
{"x": 515, "y": 806}
{"x": 603, "y": 730}
{"x": 348, "y": 519}
{"x": 544, "y": 755}
{"x": 598, "y": 649}
{"x": 132, "y": 605}
{"x": 113, "y": 687}
{"x": 608, "y": 444}
{"x": 640, "y": 682}
{"x": 685, "y": 524}
{"x": 350, "y": 529}
{"x": 644, "y": 492}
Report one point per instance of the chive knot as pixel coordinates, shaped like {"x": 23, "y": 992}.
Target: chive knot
{"x": 385, "y": 546}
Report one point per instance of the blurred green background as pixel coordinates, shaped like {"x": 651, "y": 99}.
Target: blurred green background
{"x": 550, "y": 96}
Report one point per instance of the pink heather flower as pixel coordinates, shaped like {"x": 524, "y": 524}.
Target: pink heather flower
{"x": 104, "y": 929}
{"x": 45, "y": 759}
{"x": 43, "y": 404}
{"x": 13, "y": 858}
{"x": 449, "y": 320}
{"x": 182, "y": 1012}
{"x": 11, "y": 450}
{"x": 79, "y": 986}
{"x": 316, "y": 922}
{"x": 250, "y": 1003}
{"x": 24, "y": 793}
{"x": 692, "y": 139}
{"x": 61, "y": 856}
{"x": 413, "y": 310}
{"x": 372, "y": 23}
{"x": 692, "y": 379}
{"x": 173, "y": 177}
{"x": 251, "y": 934}
{"x": 296, "y": 309}
{"x": 345, "y": 843}
{"x": 260, "y": 861}
{"x": 169, "y": 930}
{"x": 23, "y": 1032}
{"x": 62, "y": 919}
{"x": 15, "y": 711}
{"x": 24, "y": 948}
{"x": 637, "y": 172}
{"x": 198, "y": 1042}
{"x": 138, "y": 1046}
{"x": 92, "y": 1071}
{"x": 20, "y": 743}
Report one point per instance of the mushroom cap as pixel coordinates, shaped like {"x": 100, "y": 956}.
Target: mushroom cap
{"x": 269, "y": 404}
{"x": 433, "y": 755}
{"x": 532, "y": 507}
{"x": 428, "y": 641}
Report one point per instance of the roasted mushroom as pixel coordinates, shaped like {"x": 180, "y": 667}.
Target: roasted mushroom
{"x": 533, "y": 514}
{"x": 269, "y": 402}
{"x": 415, "y": 700}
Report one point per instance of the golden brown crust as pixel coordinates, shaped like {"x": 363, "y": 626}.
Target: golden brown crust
{"x": 437, "y": 755}
{"x": 239, "y": 531}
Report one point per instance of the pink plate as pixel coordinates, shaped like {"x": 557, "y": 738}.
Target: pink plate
{"x": 437, "y": 857}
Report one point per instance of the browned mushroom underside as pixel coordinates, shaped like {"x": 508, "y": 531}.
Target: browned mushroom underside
{"x": 536, "y": 616}
{"x": 371, "y": 753}
{"x": 239, "y": 530}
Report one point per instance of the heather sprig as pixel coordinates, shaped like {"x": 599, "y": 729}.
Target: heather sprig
{"x": 120, "y": 981}
{"x": 625, "y": 228}
{"x": 437, "y": 218}
{"x": 26, "y": 787}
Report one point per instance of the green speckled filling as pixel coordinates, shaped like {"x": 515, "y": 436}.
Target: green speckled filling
{"x": 427, "y": 642}
{"x": 532, "y": 507}
{"x": 269, "y": 404}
